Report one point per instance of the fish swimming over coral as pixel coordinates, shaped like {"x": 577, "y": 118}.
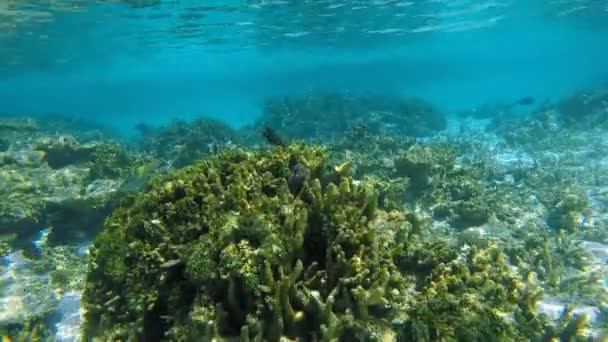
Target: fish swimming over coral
{"x": 526, "y": 101}
{"x": 272, "y": 137}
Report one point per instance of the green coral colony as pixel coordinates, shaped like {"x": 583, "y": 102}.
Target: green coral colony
{"x": 278, "y": 246}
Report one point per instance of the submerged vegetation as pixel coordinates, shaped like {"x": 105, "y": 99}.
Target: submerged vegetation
{"x": 368, "y": 224}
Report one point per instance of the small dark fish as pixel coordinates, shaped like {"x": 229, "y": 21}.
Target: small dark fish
{"x": 526, "y": 101}
{"x": 272, "y": 137}
{"x": 142, "y": 3}
{"x": 144, "y": 129}
{"x": 299, "y": 176}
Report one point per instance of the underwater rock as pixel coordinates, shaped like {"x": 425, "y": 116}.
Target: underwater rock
{"x": 181, "y": 143}
{"x": 419, "y": 164}
{"x": 329, "y": 116}
{"x": 22, "y": 158}
{"x": 105, "y": 159}
{"x": 63, "y": 151}
{"x": 18, "y": 124}
{"x": 430, "y": 176}
{"x": 486, "y": 234}
{"x": 75, "y": 219}
{"x": 558, "y": 127}
{"x": 21, "y": 212}
{"x": 567, "y": 210}
{"x": 585, "y": 110}
{"x": 18, "y": 220}
{"x": 470, "y": 213}
{"x": 54, "y": 180}
{"x": 597, "y": 250}
{"x": 64, "y": 209}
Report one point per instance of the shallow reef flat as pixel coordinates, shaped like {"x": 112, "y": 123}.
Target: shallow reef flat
{"x": 491, "y": 227}
{"x": 56, "y": 179}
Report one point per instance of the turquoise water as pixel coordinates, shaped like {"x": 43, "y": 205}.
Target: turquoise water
{"x": 467, "y": 126}
{"x": 112, "y": 60}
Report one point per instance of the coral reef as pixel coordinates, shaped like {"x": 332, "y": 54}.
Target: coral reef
{"x": 427, "y": 176}
{"x": 227, "y": 249}
{"x": 327, "y": 116}
{"x": 496, "y": 233}
{"x": 55, "y": 180}
{"x": 181, "y": 143}
{"x": 587, "y": 109}
{"x": 566, "y": 209}
{"x": 569, "y": 122}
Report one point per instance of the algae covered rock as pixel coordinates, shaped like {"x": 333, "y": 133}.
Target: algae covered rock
{"x": 105, "y": 159}
{"x": 324, "y": 116}
{"x": 33, "y": 198}
{"x": 428, "y": 176}
{"x": 21, "y": 209}
{"x": 242, "y": 246}
{"x": 57, "y": 180}
{"x": 566, "y": 210}
{"x": 181, "y": 143}
{"x": 425, "y": 166}
{"x": 18, "y": 124}
{"x": 587, "y": 109}
{"x": 63, "y": 151}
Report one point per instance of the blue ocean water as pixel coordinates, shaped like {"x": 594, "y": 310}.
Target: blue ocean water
{"x": 124, "y": 62}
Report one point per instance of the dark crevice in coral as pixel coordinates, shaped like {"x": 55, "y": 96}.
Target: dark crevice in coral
{"x": 74, "y": 222}
{"x": 61, "y": 156}
{"x": 154, "y": 326}
{"x": 315, "y": 242}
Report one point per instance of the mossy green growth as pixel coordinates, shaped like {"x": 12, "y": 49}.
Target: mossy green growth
{"x": 223, "y": 249}
{"x": 456, "y": 191}
{"x": 32, "y": 330}
{"x": 270, "y": 246}
{"x": 5, "y": 244}
{"x": 566, "y": 211}
{"x": 429, "y": 177}
{"x": 110, "y": 161}
{"x": 466, "y": 298}
{"x": 424, "y": 165}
